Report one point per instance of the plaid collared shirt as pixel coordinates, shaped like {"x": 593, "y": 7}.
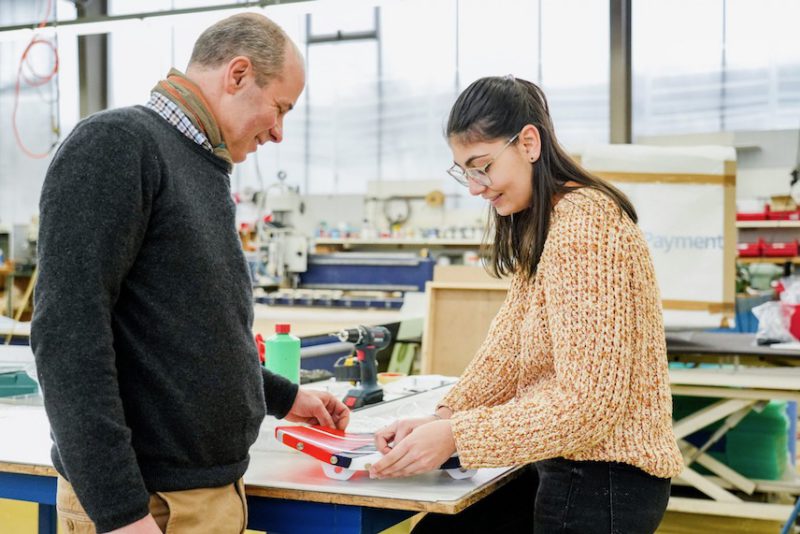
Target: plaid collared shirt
{"x": 174, "y": 115}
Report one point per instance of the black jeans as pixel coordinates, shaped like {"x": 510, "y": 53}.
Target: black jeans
{"x": 564, "y": 497}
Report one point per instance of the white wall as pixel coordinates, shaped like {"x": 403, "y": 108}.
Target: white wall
{"x": 21, "y": 176}
{"x": 764, "y": 159}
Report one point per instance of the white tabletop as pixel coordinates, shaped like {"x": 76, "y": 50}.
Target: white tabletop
{"x": 280, "y": 467}
{"x": 279, "y": 471}
{"x": 8, "y": 325}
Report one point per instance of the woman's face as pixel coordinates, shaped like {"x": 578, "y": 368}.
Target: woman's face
{"x": 510, "y": 170}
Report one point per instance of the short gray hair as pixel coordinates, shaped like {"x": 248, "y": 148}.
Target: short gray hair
{"x": 246, "y": 34}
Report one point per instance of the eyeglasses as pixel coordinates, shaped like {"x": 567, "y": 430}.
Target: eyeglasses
{"x": 478, "y": 175}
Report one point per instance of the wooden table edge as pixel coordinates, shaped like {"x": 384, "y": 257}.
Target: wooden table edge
{"x": 439, "y": 507}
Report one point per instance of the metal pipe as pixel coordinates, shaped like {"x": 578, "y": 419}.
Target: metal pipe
{"x": 150, "y": 14}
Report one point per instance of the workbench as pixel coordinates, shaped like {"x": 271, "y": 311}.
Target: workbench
{"x": 317, "y": 321}
{"x": 734, "y": 348}
{"x": 286, "y": 491}
{"x": 20, "y": 332}
{"x": 739, "y": 389}
{"x": 281, "y": 485}
{"x": 307, "y": 322}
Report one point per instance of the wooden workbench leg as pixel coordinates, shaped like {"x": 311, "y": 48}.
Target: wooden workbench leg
{"x": 48, "y": 519}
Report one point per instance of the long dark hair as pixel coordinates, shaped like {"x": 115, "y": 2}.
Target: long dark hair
{"x": 494, "y": 108}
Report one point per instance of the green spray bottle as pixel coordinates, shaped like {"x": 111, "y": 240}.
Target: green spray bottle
{"x": 283, "y": 353}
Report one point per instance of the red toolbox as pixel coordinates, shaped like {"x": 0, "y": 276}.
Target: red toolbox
{"x": 792, "y": 215}
{"x": 781, "y": 249}
{"x": 750, "y": 250}
{"x": 754, "y": 216}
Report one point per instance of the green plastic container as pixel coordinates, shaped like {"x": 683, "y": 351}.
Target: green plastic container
{"x": 16, "y": 383}
{"x": 758, "y": 446}
{"x": 283, "y": 353}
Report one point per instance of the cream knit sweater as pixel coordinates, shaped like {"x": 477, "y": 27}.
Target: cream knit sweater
{"x": 574, "y": 364}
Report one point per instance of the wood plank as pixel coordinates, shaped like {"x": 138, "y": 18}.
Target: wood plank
{"x": 465, "y": 274}
{"x": 729, "y": 241}
{"x": 693, "y": 523}
{"x": 499, "y": 285}
{"x": 739, "y": 377}
{"x": 28, "y": 469}
{"x": 699, "y": 305}
{"x": 708, "y": 487}
{"x": 730, "y": 392}
{"x": 667, "y": 178}
{"x": 715, "y": 466}
{"x": 706, "y": 416}
{"x": 774, "y": 512}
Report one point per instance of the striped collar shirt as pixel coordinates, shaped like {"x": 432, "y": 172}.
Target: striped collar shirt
{"x": 174, "y": 115}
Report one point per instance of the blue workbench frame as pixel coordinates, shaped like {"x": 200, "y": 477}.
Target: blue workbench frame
{"x": 264, "y": 513}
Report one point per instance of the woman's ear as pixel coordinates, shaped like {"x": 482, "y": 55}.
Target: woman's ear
{"x": 530, "y": 142}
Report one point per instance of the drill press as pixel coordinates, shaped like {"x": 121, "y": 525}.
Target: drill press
{"x": 368, "y": 340}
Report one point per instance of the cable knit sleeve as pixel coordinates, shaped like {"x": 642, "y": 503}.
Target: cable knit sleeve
{"x": 490, "y": 378}
{"x": 590, "y": 331}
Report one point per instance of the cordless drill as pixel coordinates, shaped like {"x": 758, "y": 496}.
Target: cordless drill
{"x": 368, "y": 340}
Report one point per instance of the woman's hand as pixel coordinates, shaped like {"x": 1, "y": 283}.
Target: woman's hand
{"x": 397, "y": 431}
{"x": 426, "y": 448}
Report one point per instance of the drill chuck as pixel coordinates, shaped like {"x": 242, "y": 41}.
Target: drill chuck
{"x": 363, "y": 336}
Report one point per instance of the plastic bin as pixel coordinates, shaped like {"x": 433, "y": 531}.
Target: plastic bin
{"x": 780, "y": 249}
{"x": 750, "y": 250}
{"x": 753, "y": 215}
{"x": 746, "y": 321}
{"x": 792, "y": 215}
{"x": 14, "y": 383}
{"x": 758, "y": 447}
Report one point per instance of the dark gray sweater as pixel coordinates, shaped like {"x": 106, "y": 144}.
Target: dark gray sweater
{"x": 143, "y": 317}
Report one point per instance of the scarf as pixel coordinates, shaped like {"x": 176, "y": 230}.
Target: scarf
{"x": 188, "y": 97}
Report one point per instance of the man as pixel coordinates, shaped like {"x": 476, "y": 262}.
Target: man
{"x": 142, "y": 329}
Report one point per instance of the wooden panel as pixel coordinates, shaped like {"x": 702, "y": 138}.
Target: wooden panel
{"x": 668, "y": 178}
{"x": 698, "y": 305}
{"x": 466, "y": 273}
{"x": 456, "y": 324}
{"x": 729, "y": 246}
{"x": 692, "y": 523}
{"x": 28, "y": 469}
{"x": 439, "y": 507}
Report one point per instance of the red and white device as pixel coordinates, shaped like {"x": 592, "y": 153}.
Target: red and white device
{"x": 343, "y": 454}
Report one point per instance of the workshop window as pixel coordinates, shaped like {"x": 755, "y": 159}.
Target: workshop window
{"x": 715, "y": 66}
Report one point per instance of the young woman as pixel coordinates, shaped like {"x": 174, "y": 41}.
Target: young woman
{"x": 572, "y": 377}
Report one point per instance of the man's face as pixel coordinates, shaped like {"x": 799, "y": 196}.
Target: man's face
{"x": 254, "y": 115}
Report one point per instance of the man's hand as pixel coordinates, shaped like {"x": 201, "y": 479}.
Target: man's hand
{"x": 146, "y": 525}
{"x": 319, "y": 408}
{"x": 424, "y": 449}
